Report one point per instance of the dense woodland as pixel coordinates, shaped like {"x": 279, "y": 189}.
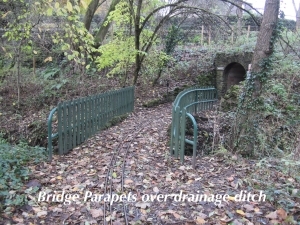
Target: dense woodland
{"x": 54, "y": 51}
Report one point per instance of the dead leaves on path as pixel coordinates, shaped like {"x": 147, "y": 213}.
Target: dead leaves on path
{"x": 149, "y": 170}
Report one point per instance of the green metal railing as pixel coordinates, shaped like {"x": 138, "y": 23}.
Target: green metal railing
{"x": 189, "y": 101}
{"x": 79, "y": 119}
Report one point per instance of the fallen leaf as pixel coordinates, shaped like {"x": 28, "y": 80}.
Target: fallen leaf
{"x": 57, "y": 209}
{"x": 281, "y": 213}
{"x": 272, "y": 215}
{"x": 146, "y": 181}
{"x": 249, "y": 207}
{"x": 168, "y": 178}
{"x": 257, "y": 211}
{"x": 236, "y": 222}
{"x": 42, "y": 213}
{"x": 202, "y": 215}
{"x": 143, "y": 211}
{"x": 48, "y": 59}
{"x": 128, "y": 181}
{"x": 19, "y": 220}
{"x": 241, "y": 212}
{"x": 176, "y": 215}
{"x": 142, "y": 205}
{"x": 275, "y": 222}
{"x": 155, "y": 189}
{"x": 200, "y": 220}
{"x": 248, "y": 215}
{"x": 96, "y": 213}
{"x": 231, "y": 198}
{"x": 36, "y": 210}
{"x": 182, "y": 168}
{"x": 230, "y": 178}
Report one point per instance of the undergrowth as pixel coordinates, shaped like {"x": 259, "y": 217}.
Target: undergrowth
{"x": 14, "y": 172}
{"x": 276, "y": 152}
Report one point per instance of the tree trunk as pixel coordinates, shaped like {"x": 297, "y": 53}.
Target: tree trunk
{"x": 100, "y": 35}
{"x": 298, "y": 18}
{"x": 137, "y": 33}
{"x": 90, "y": 13}
{"x": 297, "y": 12}
{"x": 264, "y": 45}
{"x": 244, "y": 133}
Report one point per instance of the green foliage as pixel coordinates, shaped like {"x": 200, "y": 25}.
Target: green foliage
{"x": 155, "y": 60}
{"x": 2, "y": 140}
{"x": 241, "y": 44}
{"x": 206, "y": 79}
{"x": 14, "y": 171}
{"x": 172, "y": 39}
{"x": 273, "y": 117}
{"x": 229, "y": 101}
{"x": 50, "y": 73}
{"x": 119, "y": 52}
{"x": 75, "y": 41}
{"x": 21, "y": 23}
{"x": 283, "y": 195}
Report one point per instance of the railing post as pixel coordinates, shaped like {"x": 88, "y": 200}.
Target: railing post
{"x": 176, "y": 131}
{"x": 195, "y": 138}
{"x": 172, "y": 132}
{"x": 182, "y": 133}
{"x": 49, "y": 123}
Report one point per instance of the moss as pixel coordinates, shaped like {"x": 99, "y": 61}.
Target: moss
{"x": 116, "y": 120}
{"x": 152, "y": 103}
{"x": 230, "y": 100}
{"x": 207, "y": 79}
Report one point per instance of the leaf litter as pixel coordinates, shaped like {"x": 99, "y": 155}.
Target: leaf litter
{"x": 149, "y": 171}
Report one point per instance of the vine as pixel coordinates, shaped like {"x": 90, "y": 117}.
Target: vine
{"x": 247, "y": 131}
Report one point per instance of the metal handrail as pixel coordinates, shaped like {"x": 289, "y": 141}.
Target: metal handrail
{"x": 190, "y": 97}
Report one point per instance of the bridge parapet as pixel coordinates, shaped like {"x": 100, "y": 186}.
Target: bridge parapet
{"x": 189, "y": 101}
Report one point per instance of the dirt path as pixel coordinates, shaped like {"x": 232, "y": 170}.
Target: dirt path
{"x": 149, "y": 186}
